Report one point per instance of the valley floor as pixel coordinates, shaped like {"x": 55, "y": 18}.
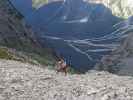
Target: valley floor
{"x": 20, "y": 81}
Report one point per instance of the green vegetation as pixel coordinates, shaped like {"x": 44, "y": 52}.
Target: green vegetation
{"x": 4, "y": 54}
{"x": 40, "y": 55}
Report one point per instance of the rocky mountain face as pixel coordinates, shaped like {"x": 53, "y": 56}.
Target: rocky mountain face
{"x": 15, "y": 34}
{"x": 77, "y": 30}
{"x": 120, "y": 8}
{"x": 120, "y": 61}
{"x": 13, "y": 31}
{"x": 83, "y": 30}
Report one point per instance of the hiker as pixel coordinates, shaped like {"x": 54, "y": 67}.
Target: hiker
{"x": 62, "y": 66}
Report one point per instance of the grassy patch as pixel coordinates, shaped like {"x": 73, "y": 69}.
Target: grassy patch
{"x": 4, "y": 54}
{"x": 34, "y": 53}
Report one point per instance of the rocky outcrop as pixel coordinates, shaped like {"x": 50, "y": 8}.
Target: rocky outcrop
{"x": 13, "y": 30}
{"x": 120, "y": 8}
{"x": 17, "y": 35}
{"x": 19, "y": 81}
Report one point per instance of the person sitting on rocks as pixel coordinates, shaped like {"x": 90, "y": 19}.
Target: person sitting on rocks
{"x": 62, "y": 66}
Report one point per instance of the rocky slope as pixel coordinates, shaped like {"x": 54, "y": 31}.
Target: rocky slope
{"x": 19, "y": 81}
{"x": 16, "y": 35}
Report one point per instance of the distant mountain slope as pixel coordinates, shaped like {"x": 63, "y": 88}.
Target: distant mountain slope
{"x": 75, "y": 30}
{"x": 79, "y": 30}
{"x": 121, "y": 60}
{"x": 121, "y": 8}
{"x": 16, "y": 35}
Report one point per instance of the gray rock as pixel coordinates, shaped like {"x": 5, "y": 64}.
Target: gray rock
{"x": 19, "y": 81}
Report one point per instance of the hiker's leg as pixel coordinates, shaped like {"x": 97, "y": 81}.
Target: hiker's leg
{"x": 65, "y": 70}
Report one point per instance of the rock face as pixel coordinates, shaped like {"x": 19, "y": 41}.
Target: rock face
{"x": 19, "y": 81}
{"x": 17, "y": 35}
{"x": 120, "y": 61}
{"x": 121, "y": 8}
{"x": 13, "y": 32}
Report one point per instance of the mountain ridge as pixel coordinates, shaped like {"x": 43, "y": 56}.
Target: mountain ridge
{"x": 120, "y": 8}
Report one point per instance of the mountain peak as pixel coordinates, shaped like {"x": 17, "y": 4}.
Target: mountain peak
{"x": 120, "y": 8}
